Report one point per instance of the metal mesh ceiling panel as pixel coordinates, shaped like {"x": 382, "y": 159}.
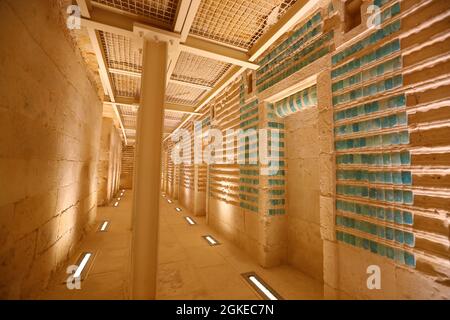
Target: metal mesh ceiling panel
{"x": 125, "y": 86}
{"x": 121, "y": 53}
{"x": 129, "y": 122}
{"x": 180, "y": 94}
{"x": 128, "y": 110}
{"x": 199, "y": 70}
{"x": 238, "y": 22}
{"x": 163, "y": 11}
{"x": 171, "y": 115}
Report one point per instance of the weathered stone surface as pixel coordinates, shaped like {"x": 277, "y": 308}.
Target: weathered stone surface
{"x": 50, "y": 117}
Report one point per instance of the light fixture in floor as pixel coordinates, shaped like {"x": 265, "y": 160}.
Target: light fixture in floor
{"x": 82, "y": 265}
{"x": 211, "y": 241}
{"x": 104, "y": 226}
{"x": 178, "y": 209}
{"x": 116, "y": 204}
{"x": 169, "y": 201}
{"x": 119, "y": 199}
{"x": 190, "y": 221}
{"x": 263, "y": 289}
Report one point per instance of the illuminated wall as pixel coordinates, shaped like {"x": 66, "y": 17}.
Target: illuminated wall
{"x": 50, "y": 120}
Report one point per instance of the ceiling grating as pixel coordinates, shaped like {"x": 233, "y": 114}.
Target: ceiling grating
{"x": 239, "y": 23}
{"x": 171, "y": 115}
{"x": 179, "y": 94}
{"x": 199, "y": 70}
{"x": 126, "y": 86}
{"x": 162, "y": 11}
{"x": 121, "y": 53}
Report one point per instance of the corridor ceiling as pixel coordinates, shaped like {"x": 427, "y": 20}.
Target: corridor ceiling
{"x": 218, "y": 40}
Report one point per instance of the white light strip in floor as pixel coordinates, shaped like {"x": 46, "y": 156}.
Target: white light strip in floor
{"x": 178, "y": 209}
{"x": 104, "y": 226}
{"x": 82, "y": 265}
{"x": 261, "y": 287}
{"x": 116, "y": 204}
{"x": 190, "y": 221}
{"x": 211, "y": 241}
{"x": 169, "y": 201}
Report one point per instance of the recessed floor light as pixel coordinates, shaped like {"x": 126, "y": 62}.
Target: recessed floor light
{"x": 178, "y": 209}
{"x": 190, "y": 221}
{"x": 104, "y": 226}
{"x": 169, "y": 201}
{"x": 263, "y": 289}
{"x": 211, "y": 241}
{"x": 82, "y": 265}
{"x": 119, "y": 199}
{"x": 116, "y": 204}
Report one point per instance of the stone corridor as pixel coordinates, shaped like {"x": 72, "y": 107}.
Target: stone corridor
{"x": 224, "y": 150}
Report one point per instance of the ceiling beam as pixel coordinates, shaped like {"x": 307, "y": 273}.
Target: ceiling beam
{"x": 218, "y": 52}
{"x": 95, "y": 41}
{"x": 299, "y": 10}
{"x": 125, "y": 73}
{"x": 139, "y": 75}
{"x": 108, "y": 21}
{"x": 186, "y": 17}
{"x": 187, "y": 10}
{"x": 190, "y": 84}
{"x": 180, "y": 108}
{"x": 167, "y": 106}
{"x": 85, "y": 6}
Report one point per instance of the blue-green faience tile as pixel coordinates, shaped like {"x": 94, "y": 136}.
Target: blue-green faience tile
{"x": 408, "y": 238}
{"x": 381, "y": 250}
{"x": 389, "y": 214}
{"x": 373, "y": 247}
{"x": 381, "y": 232}
{"x": 406, "y": 177}
{"x": 407, "y": 218}
{"x": 389, "y": 233}
{"x": 399, "y": 256}
{"x": 398, "y": 235}
{"x": 390, "y": 252}
{"x": 410, "y": 259}
{"x": 398, "y": 217}
{"x": 407, "y": 197}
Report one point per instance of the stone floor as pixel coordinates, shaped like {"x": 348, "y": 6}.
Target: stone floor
{"x": 191, "y": 269}
{"x": 109, "y": 273}
{"x": 188, "y": 267}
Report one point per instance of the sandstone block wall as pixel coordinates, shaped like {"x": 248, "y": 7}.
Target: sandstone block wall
{"x": 110, "y": 162}
{"x": 50, "y": 120}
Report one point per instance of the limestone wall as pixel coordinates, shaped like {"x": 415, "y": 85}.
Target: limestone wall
{"x": 110, "y": 162}
{"x": 127, "y": 169}
{"x": 364, "y": 171}
{"x": 50, "y": 120}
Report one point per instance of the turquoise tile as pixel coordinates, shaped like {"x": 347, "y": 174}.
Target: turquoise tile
{"x": 409, "y": 238}
{"x": 390, "y": 252}
{"x": 407, "y": 197}
{"x": 399, "y": 256}
{"x": 373, "y": 247}
{"x": 406, "y": 177}
{"x": 410, "y": 259}
{"x": 389, "y": 233}
{"x": 407, "y": 218}
{"x": 398, "y": 236}
{"x": 389, "y": 214}
{"x": 398, "y": 217}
